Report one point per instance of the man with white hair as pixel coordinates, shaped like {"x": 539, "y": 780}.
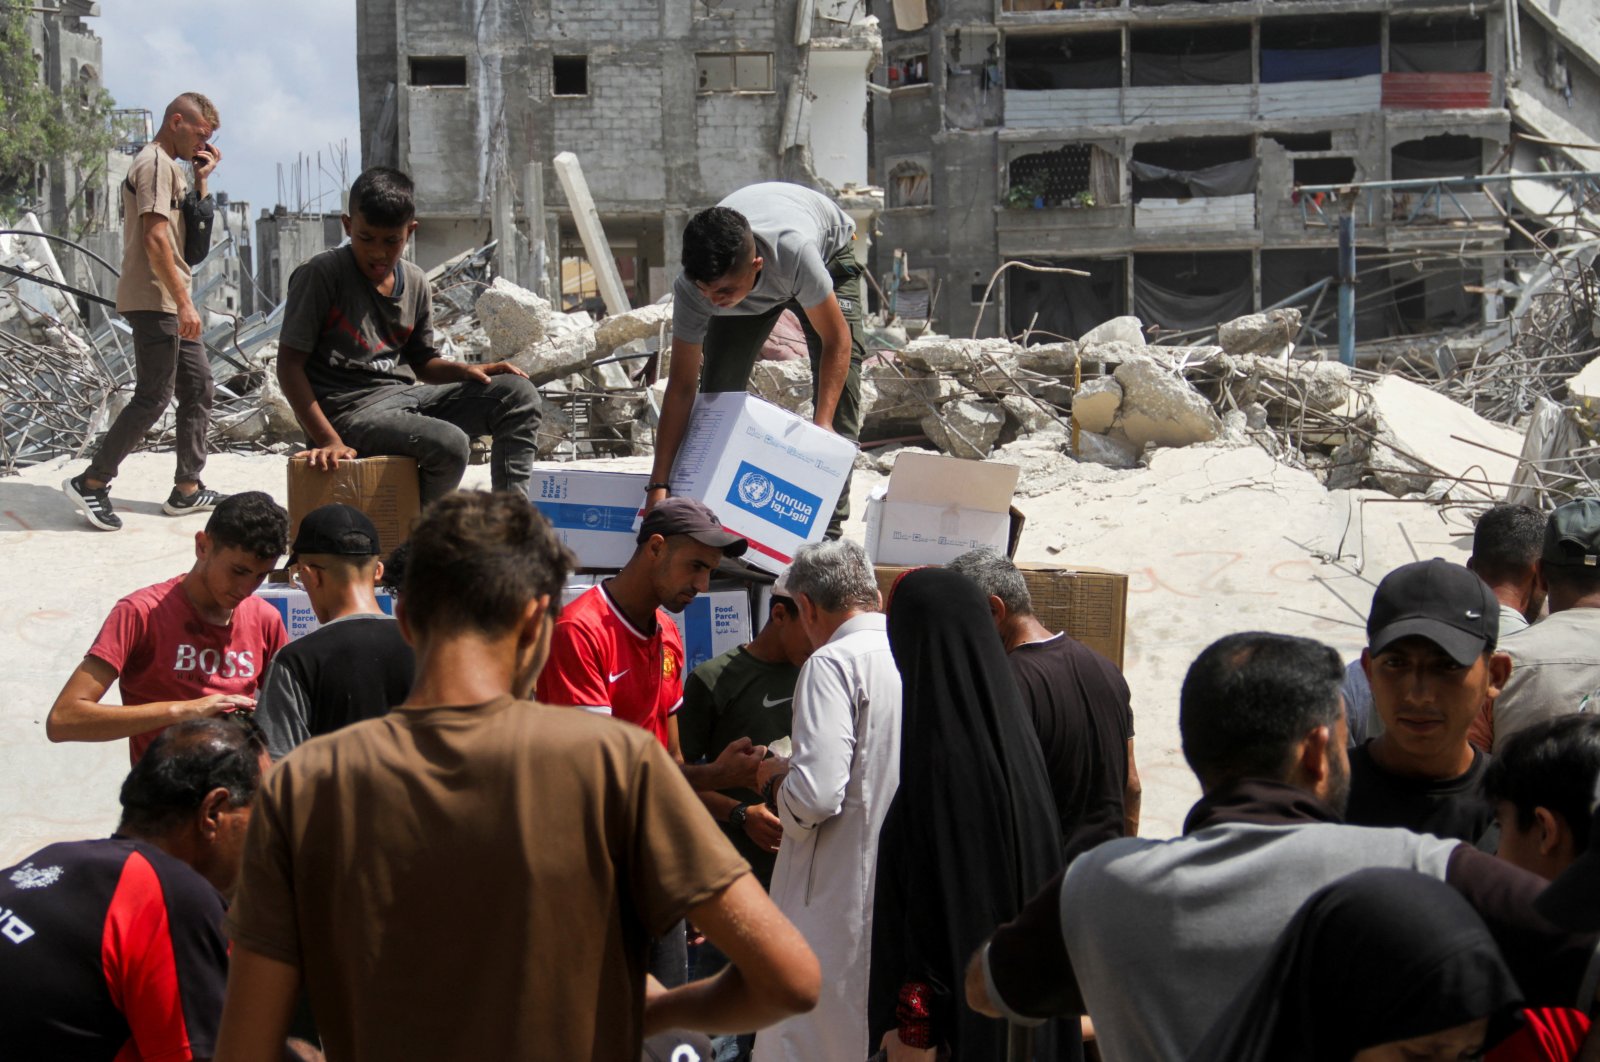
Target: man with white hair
{"x": 832, "y": 795}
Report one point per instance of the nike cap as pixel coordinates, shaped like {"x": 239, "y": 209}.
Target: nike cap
{"x": 1572, "y": 537}
{"x": 1442, "y": 602}
{"x": 336, "y": 530}
{"x": 685, "y": 516}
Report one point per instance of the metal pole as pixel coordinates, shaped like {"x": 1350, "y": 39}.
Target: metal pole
{"x": 1347, "y": 276}
{"x": 1019, "y": 1043}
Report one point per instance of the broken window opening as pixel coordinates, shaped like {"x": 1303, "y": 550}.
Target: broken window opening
{"x": 1434, "y": 157}
{"x": 1072, "y": 175}
{"x": 1068, "y": 61}
{"x": 909, "y": 70}
{"x": 733, "y": 72}
{"x": 1433, "y": 295}
{"x": 1194, "y": 168}
{"x": 973, "y": 95}
{"x": 1058, "y": 305}
{"x": 439, "y": 71}
{"x": 569, "y": 75}
{"x": 1303, "y": 141}
{"x": 1336, "y": 170}
{"x": 1194, "y": 290}
{"x": 1440, "y": 44}
{"x": 1320, "y": 49}
{"x": 910, "y": 184}
{"x": 1193, "y": 55}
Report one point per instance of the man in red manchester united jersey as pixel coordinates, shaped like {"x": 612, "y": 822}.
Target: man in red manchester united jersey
{"x": 615, "y": 652}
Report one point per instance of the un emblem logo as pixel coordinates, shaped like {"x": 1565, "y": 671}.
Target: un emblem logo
{"x": 592, "y": 519}
{"x": 755, "y": 490}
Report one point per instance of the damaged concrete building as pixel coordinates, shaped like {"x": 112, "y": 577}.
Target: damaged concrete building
{"x": 670, "y": 106}
{"x": 1160, "y": 145}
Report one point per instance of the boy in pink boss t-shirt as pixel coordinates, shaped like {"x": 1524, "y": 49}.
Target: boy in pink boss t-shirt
{"x": 190, "y": 647}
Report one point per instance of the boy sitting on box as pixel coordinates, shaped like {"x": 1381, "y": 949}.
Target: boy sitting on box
{"x": 357, "y": 362}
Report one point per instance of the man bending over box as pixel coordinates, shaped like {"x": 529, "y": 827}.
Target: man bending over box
{"x": 357, "y": 363}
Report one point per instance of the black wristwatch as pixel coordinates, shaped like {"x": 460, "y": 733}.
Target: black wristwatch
{"x": 737, "y": 816}
{"x": 648, "y": 487}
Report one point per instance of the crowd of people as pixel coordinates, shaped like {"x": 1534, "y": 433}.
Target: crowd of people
{"x": 491, "y": 826}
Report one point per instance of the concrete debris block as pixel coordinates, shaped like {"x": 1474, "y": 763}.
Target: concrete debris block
{"x": 1161, "y": 408}
{"x": 1585, "y": 386}
{"x": 865, "y": 462}
{"x": 1096, "y": 403}
{"x": 1260, "y": 333}
{"x": 1052, "y": 359}
{"x": 885, "y": 456}
{"x": 895, "y": 387}
{"x": 1283, "y": 387}
{"x": 556, "y": 356}
{"x": 784, "y": 383}
{"x": 1128, "y": 330}
{"x": 1112, "y": 451}
{"x": 965, "y": 428}
{"x": 640, "y": 323}
{"x": 944, "y": 354}
{"x": 1111, "y": 353}
{"x": 1427, "y": 430}
{"x": 514, "y": 318}
{"x": 1030, "y": 416}
{"x": 992, "y": 373}
{"x": 1184, "y": 360}
{"x": 278, "y": 419}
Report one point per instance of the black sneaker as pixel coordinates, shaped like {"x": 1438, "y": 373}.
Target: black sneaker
{"x": 94, "y": 504}
{"x": 203, "y": 500}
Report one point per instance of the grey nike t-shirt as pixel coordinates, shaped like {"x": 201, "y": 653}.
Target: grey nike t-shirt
{"x": 797, "y": 231}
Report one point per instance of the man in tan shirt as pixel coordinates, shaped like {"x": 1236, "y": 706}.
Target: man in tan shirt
{"x": 153, "y": 295}
{"x": 478, "y": 876}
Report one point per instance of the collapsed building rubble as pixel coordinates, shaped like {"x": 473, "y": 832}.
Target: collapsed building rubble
{"x": 1110, "y": 398}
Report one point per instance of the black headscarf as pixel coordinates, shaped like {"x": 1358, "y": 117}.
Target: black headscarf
{"x": 971, "y": 833}
{"x": 1379, "y": 956}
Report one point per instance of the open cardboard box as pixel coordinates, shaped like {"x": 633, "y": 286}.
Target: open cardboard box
{"x": 933, "y": 509}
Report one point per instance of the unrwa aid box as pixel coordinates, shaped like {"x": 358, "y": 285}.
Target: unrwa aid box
{"x": 294, "y": 605}
{"x": 594, "y": 513}
{"x": 769, "y": 475}
{"x": 385, "y": 488}
{"x": 713, "y": 623}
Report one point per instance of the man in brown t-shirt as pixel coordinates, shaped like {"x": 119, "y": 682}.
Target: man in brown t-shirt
{"x": 478, "y": 876}
{"x": 153, "y": 295}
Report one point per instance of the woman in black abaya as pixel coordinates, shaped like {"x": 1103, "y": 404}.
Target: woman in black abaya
{"x": 1381, "y": 965}
{"x": 971, "y": 833}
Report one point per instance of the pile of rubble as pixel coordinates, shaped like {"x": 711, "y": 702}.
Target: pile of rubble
{"x": 1108, "y": 400}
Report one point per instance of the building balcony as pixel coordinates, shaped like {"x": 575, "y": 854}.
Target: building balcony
{"x": 1223, "y": 213}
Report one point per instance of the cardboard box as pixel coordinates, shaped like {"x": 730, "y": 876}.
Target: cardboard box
{"x": 1090, "y": 604}
{"x": 594, "y": 513}
{"x": 295, "y": 607}
{"x": 768, "y": 474}
{"x": 933, "y": 509}
{"x": 713, "y": 623}
{"x": 385, "y": 488}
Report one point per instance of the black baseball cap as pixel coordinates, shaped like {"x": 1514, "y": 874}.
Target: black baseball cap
{"x": 1572, "y": 537}
{"x": 1572, "y": 901}
{"x": 338, "y": 530}
{"x": 685, "y": 516}
{"x": 1442, "y": 602}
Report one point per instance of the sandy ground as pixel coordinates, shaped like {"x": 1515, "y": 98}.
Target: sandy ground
{"x": 1213, "y": 540}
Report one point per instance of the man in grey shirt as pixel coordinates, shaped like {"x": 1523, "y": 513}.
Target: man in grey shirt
{"x": 1154, "y": 939}
{"x": 764, "y": 249}
{"x": 1555, "y": 664}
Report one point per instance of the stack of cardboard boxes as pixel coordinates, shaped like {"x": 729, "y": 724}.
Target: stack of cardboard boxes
{"x": 774, "y": 478}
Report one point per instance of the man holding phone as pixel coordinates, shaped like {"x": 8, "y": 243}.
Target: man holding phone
{"x": 153, "y": 295}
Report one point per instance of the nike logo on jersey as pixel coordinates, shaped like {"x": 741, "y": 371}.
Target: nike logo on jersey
{"x": 620, "y": 674}
{"x": 767, "y": 702}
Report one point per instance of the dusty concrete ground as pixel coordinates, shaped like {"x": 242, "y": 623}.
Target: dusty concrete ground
{"x": 1214, "y": 541}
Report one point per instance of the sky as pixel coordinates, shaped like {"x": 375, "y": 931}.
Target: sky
{"x": 282, "y": 74}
